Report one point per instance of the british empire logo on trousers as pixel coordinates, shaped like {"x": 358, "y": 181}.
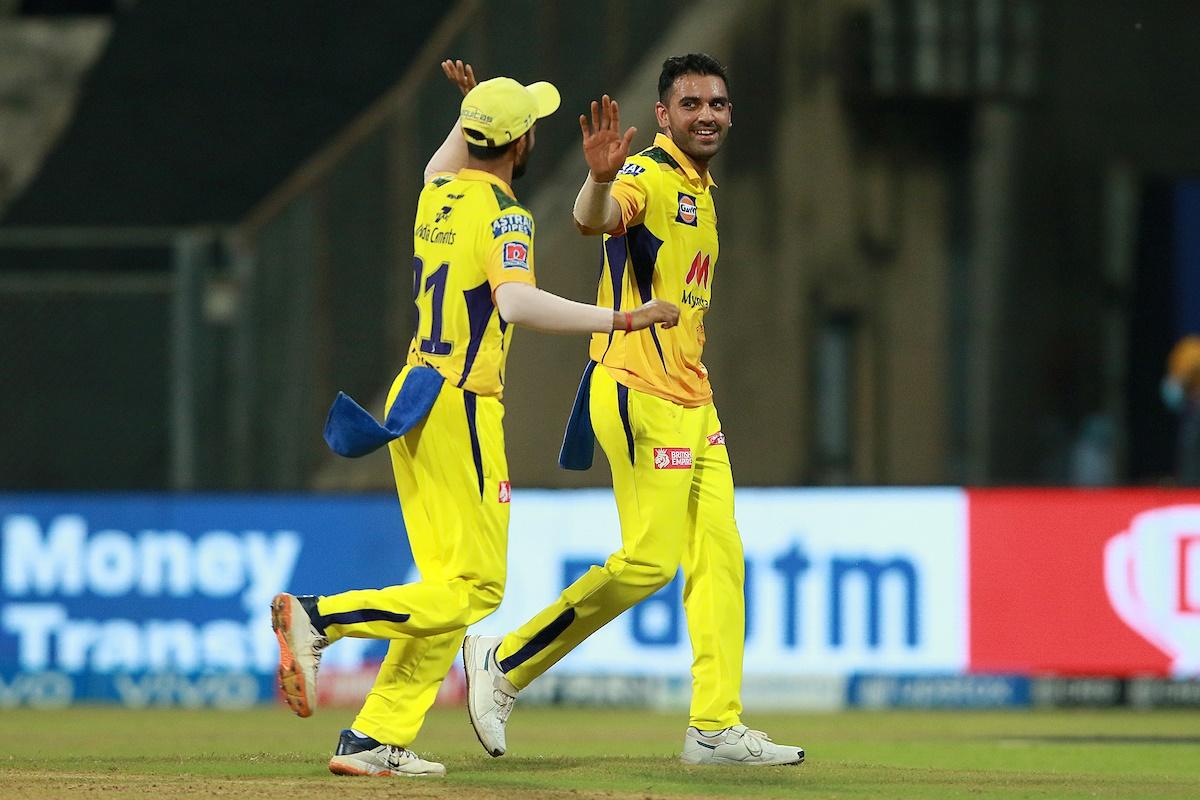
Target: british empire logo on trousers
{"x": 1152, "y": 575}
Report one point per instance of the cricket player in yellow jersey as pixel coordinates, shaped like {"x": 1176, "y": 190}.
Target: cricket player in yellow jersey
{"x": 474, "y": 278}
{"x": 646, "y": 397}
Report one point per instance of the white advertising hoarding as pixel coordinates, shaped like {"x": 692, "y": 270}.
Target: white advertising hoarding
{"x": 837, "y": 581}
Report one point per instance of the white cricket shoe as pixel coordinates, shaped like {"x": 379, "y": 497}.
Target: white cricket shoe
{"x": 300, "y": 646}
{"x": 737, "y": 745}
{"x": 490, "y": 696}
{"x": 362, "y": 755}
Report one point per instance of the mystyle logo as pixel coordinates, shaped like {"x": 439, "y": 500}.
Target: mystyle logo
{"x": 1152, "y": 576}
{"x": 698, "y": 272}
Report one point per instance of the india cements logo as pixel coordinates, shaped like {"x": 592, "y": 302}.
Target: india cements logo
{"x": 1152, "y": 574}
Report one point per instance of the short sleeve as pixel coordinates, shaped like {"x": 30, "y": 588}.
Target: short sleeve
{"x": 630, "y": 190}
{"x": 509, "y": 251}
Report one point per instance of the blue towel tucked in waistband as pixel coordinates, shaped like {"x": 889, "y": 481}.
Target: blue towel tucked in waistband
{"x": 351, "y": 431}
{"x": 579, "y": 441}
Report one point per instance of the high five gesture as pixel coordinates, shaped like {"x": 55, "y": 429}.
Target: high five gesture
{"x": 460, "y": 74}
{"x": 604, "y": 147}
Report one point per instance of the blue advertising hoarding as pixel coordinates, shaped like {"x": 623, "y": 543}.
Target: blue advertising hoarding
{"x": 164, "y": 600}
{"x": 150, "y": 599}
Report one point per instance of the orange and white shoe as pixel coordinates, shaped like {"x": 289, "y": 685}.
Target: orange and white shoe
{"x": 300, "y": 646}
{"x": 362, "y": 755}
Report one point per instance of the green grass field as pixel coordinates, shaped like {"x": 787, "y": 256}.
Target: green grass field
{"x": 114, "y": 753}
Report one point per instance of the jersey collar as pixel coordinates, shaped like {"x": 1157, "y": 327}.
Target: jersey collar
{"x": 467, "y": 174}
{"x": 685, "y": 163}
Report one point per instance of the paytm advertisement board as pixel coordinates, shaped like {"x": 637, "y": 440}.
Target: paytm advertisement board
{"x": 836, "y": 581}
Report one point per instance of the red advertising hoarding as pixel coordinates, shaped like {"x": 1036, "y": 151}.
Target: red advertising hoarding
{"x": 1078, "y": 582}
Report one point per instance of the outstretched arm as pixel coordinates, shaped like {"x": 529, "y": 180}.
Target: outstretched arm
{"x": 452, "y": 155}
{"x": 605, "y": 149}
{"x": 530, "y": 307}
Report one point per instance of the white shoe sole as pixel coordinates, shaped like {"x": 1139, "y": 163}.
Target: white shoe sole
{"x": 340, "y": 765}
{"x": 729, "y": 762}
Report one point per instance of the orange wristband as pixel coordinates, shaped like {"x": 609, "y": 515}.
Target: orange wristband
{"x": 628, "y": 322}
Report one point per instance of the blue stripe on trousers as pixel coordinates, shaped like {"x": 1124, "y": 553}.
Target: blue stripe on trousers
{"x": 364, "y": 615}
{"x": 539, "y": 642}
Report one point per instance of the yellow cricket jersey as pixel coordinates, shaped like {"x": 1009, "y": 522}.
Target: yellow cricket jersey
{"x": 470, "y": 236}
{"x": 666, "y": 248}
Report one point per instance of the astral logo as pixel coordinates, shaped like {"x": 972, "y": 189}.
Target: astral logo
{"x": 1152, "y": 574}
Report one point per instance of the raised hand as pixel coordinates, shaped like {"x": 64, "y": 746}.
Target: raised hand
{"x": 655, "y": 312}
{"x": 460, "y": 74}
{"x": 604, "y": 148}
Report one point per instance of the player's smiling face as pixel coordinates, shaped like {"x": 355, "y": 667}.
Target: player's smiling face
{"x": 697, "y": 115}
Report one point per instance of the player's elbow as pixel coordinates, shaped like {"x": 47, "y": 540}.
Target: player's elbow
{"x": 587, "y": 230}
{"x": 513, "y": 301}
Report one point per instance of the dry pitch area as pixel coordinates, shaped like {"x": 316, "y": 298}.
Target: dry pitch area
{"x": 103, "y": 753}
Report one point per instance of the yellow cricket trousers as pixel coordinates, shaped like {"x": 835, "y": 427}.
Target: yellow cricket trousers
{"x": 674, "y": 490}
{"x": 449, "y": 469}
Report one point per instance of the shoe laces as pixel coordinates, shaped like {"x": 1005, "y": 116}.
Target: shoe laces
{"x": 395, "y": 755}
{"x": 319, "y": 643}
{"x": 504, "y": 703}
{"x": 503, "y": 699}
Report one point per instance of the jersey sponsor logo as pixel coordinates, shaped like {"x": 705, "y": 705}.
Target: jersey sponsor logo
{"x": 717, "y": 439}
{"x": 443, "y": 214}
{"x": 516, "y": 255}
{"x": 512, "y": 223}
{"x": 505, "y": 492}
{"x": 687, "y": 209}
{"x": 434, "y": 235}
{"x": 631, "y": 169}
{"x": 672, "y": 458}
{"x": 698, "y": 273}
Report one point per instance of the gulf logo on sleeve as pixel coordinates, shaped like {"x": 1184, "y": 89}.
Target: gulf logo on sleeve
{"x": 516, "y": 255}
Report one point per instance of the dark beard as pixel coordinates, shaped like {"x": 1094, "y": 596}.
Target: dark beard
{"x": 519, "y": 169}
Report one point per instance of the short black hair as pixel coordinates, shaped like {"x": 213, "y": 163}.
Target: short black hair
{"x": 691, "y": 64}
{"x": 485, "y": 153}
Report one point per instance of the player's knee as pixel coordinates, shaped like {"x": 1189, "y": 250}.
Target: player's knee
{"x": 652, "y": 574}
{"x": 656, "y": 576}
{"x": 486, "y": 597}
